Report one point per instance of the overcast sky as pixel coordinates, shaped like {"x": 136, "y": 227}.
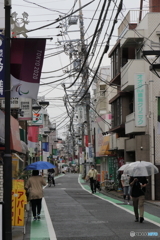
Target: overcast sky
{"x": 46, "y": 13}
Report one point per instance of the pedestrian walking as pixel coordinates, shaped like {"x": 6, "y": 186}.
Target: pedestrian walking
{"x": 92, "y": 176}
{"x": 51, "y": 175}
{"x": 35, "y": 193}
{"x": 126, "y": 187}
{"x": 138, "y": 185}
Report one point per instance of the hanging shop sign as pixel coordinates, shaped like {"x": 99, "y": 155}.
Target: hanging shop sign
{"x": 25, "y": 104}
{"x": 37, "y": 119}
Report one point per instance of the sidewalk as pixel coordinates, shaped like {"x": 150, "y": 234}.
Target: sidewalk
{"x": 120, "y": 195}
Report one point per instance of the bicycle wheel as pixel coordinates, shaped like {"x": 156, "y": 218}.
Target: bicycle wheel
{"x": 108, "y": 187}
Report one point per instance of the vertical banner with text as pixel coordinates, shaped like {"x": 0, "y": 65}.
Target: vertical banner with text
{"x": 26, "y": 65}
{"x": 2, "y": 55}
{"x": 140, "y": 100}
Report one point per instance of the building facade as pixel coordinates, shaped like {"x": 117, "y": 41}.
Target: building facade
{"x": 134, "y": 107}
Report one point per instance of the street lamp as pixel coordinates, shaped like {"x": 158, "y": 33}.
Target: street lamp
{"x": 44, "y": 104}
{"x": 36, "y": 108}
{"x": 7, "y": 167}
{"x": 154, "y": 67}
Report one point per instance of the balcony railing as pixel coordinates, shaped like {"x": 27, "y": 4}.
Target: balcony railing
{"x": 131, "y": 17}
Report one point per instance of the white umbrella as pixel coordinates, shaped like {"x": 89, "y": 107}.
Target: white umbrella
{"x": 123, "y": 167}
{"x": 141, "y": 169}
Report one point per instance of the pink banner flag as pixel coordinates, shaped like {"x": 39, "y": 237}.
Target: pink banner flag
{"x": 26, "y": 64}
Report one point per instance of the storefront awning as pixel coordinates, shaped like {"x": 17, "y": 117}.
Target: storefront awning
{"x": 24, "y": 147}
{"x": 14, "y": 133}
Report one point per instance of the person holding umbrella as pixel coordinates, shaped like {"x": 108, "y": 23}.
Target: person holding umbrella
{"x": 35, "y": 193}
{"x": 138, "y": 185}
{"x": 139, "y": 170}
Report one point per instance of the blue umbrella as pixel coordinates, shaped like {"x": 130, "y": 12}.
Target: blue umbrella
{"x": 39, "y": 166}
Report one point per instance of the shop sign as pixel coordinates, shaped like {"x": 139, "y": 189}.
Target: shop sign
{"x": 140, "y": 100}
{"x": 14, "y": 103}
{"x": 113, "y": 168}
{"x": 2, "y": 56}
{"x": 18, "y": 202}
{"x": 37, "y": 119}
{"x": 104, "y": 149}
{"x": 26, "y": 108}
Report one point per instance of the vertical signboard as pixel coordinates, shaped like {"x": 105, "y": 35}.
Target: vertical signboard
{"x": 26, "y": 108}
{"x": 140, "y": 100}
{"x": 20, "y": 202}
{"x": 112, "y": 168}
{"x": 1, "y": 65}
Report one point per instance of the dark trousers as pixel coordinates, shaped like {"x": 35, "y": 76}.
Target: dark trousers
{"x": 93, "y": 184}
{"x": 138, "y": 202}
{"x": 36, "y": 206}
{"x": 52, "y": 179}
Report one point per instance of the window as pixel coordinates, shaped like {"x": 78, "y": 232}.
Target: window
{"x": 115, "y": 63}
{"x": 116, "y": 109}
{"x": 102, "y": 89}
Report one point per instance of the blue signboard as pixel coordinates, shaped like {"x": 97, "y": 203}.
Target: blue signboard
{"x": 45, "y": 146}
{"x": 1, "y": 66}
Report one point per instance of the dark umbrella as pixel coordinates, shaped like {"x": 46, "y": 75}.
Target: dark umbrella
{"x": 39, "y": 166}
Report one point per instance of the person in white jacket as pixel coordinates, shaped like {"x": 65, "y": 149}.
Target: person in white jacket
{"x": 92, "y": 176}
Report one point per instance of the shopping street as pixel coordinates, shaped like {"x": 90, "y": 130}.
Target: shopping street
{"x": 71, "y": 212}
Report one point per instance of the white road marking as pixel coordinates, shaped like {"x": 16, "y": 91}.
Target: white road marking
{"x": 51, "y": 230}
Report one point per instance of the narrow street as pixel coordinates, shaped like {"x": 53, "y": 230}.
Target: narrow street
{"x": 76, "y": 214}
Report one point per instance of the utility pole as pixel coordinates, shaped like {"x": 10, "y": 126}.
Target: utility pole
{"x": 85, "y": 76}
{"x": 7, "y": 159}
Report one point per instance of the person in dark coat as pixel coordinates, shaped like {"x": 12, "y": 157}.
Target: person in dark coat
{"x": 51, "y": 174}
{"x": 138, "y": 189}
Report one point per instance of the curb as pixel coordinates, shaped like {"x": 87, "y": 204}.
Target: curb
{"x": 114, "y": 194}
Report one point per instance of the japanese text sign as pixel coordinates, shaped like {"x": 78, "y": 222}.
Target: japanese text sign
{"x": 1, "y": 66}
{"x": 140, "y": 100}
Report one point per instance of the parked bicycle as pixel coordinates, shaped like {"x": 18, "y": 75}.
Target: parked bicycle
{"x": 109, "y": 185}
